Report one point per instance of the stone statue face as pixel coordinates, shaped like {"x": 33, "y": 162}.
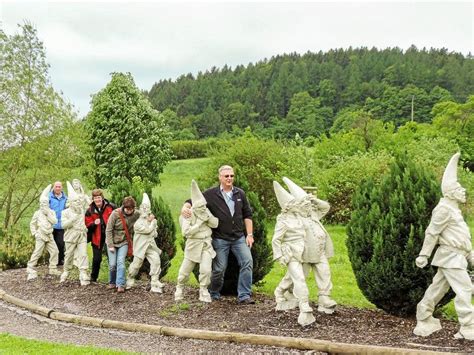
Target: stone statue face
{"x": 76, "y": 184}
{"x": 200, "y": 211}
{"x": 305, "y": 207}
{"x": 76, "y": 205}
{"x": 44, "y": 206}
{"x": 459, "y": 194}
{"x": 145, "y": 210}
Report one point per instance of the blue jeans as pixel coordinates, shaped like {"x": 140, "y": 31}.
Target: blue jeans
{"x": 117, "y": 265}
{"x": 243, "y": 255}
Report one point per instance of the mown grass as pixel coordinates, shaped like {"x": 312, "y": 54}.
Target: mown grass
{"x": 10, "y": 344}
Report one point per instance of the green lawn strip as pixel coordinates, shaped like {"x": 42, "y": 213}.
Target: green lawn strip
{"x": 11, "y": 344}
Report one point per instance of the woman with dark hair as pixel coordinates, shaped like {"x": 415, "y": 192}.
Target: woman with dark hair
{"x": 97, "y": 216}
{"x": 118, "y": 239}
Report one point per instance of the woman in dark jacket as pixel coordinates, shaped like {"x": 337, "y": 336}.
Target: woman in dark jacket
{"x": 96, "y": 219}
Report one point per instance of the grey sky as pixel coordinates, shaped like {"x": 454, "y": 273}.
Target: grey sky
{"x": 85, "y": 41}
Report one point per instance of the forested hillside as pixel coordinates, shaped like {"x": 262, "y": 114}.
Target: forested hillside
{"x": 314, "y": 93}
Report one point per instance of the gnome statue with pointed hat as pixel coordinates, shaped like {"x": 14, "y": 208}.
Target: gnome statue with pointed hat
{"x": 75, "y": 237}
{"x": 288, "y": 245}
{"x": 144, "y": 247}
{"x": 41, "y": 227}
{"x": 448, "y": 231}
{"x": 198, "y": 249}
{"x": 79, "y": 189}
{"x": 318, "y": 247}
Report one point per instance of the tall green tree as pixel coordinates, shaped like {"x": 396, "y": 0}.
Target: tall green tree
{"x": 128, "y": 136}
{"x": 39, "y": 140}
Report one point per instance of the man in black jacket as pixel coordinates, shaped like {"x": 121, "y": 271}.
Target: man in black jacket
{"x": 234, "y": 233}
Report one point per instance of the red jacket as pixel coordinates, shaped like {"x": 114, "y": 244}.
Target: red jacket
{"x": 98, "y": 231}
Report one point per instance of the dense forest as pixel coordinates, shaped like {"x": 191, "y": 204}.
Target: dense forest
{"x": 314, "y": 93}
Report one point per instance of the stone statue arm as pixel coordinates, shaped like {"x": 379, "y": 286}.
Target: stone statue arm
{"x": 280, "y": 231}
{"x": 439, "y": 221}
{"x": 51, "y": 216}
{"x": 67, "y": 220}
{"x": 212, "y": 222}
{"x": 320, "y": 207}
{"x": 34, "y": 224}
{"x": 145, "y": 227}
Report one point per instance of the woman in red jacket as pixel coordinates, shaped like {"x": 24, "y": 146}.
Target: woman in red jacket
{"x": 96, "y": 219}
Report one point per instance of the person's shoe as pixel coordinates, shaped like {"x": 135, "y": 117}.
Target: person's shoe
{"x": 156, "y": 289}
{"x": 111, "y": 286}
{"x": 246, "y": 301}
{"x": 120, "y": 289}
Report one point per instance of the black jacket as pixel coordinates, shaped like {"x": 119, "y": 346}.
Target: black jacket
{"x": 230, "y": 227}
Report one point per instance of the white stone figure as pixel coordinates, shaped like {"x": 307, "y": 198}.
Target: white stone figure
{"x": 75, "y": 237}
{"x": 41, "y": 227}
{"x": 144, "y": 246}
{"x": 85, "y": 202}
{"x": 198, "y": 249}
{"x": 448, "y": 231}
{"x": 85, "y": 199}
{"x": 318, "y": 245}
{"x": 288, "y": 245}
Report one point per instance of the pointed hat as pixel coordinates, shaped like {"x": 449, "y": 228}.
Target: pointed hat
{"x": 44, "y": 197}
{"x": 283, "y": 196}
{"x": 145, "y": 201}
{"x": 71, "y": 193}
{"x": 295, "y": 190}
{"x": 450, "y": 176}
{"x": 196, "y": 195}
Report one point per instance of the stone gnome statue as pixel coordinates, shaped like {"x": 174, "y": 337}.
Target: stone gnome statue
{"x": 448, "y": 231}
{"x": 41, "y": 227}
{"x": 144, "y": 246}
{"x": 75, "y": 237}
{"x": 288, "y": 245}
{"x": 198, "y": 250}
{"x": 318, "y": 245}
{"x": 85, "y": 199}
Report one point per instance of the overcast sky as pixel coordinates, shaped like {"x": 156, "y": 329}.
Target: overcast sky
{"x": 86, "y": 41}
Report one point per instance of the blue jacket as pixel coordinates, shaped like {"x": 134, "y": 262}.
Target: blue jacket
{"x": 57, "y": 205}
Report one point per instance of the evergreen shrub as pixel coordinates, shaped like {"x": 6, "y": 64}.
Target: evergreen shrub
{"x": 16, "y": 248}
{"x": 386, "y": 233}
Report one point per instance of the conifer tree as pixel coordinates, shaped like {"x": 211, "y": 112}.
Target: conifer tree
{"x": 385, "y": 235}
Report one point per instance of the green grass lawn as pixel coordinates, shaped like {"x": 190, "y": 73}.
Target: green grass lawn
{"x": 10, "y": 344}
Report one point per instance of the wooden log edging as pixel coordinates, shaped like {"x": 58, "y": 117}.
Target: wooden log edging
{"x": 254, "y": 339}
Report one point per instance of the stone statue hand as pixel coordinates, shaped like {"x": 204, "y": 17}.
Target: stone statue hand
{"x": 421, "y": 261}
{"x": 283, "y": 260}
